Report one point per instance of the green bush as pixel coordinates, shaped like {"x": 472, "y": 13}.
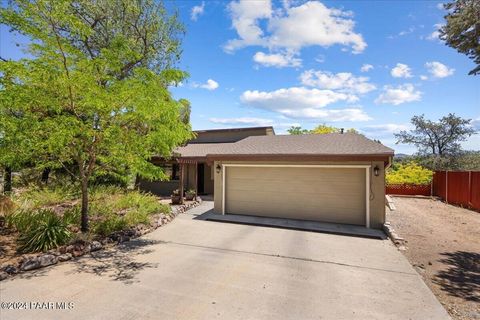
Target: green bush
{"x": 41, "y": 230}
{"x": 109, "y": 224}
{"x": 35, "y": 198}
{"x": 72, "y": 216}
{"x": 409, "y": 173}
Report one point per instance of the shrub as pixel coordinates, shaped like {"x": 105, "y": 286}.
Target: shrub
{"x": 72, "y": 216}
{"x": 409, "y": 173}
{"x": 36, "y": 197}
{"x": 109, "y": 224}
{"x": 40, "y": 231}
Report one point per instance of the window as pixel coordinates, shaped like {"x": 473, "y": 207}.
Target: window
{"x": 172, "y": 170}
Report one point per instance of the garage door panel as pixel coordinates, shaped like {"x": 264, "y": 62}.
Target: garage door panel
{"x": 309, "y": 193}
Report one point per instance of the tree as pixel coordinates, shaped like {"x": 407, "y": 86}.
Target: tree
{"x": 437, "y": 138}
{"x": 320, "y": 129}
{"x": 296, "y": 130}
{"x": 462, "y": 29}
{"x": 94, "y": 88}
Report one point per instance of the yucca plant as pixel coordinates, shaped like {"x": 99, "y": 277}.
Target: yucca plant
{"x": 46, "y": 231}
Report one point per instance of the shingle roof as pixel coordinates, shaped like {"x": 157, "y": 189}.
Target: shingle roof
{"x": 195, "y": 150}
{"x": 346, "y": 144}
{"x": 309, "y": 144}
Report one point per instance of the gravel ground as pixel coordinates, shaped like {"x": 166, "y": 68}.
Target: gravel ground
{"x": 443, "y": 244}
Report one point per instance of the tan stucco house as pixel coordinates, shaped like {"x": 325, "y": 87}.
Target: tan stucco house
{"x": 338, "y": 177}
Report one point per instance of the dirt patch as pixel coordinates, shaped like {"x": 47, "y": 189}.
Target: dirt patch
{"x": 443, "y": 244}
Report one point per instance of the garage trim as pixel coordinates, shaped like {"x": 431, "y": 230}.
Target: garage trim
{"x": 367, "y": 179}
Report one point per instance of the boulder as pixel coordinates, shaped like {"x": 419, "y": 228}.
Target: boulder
{"x": 10, "y": 269}
{"x": 95, "y": 246}
{"x": 64, "y": 257}
{"x": 30, "y": 264}
{"x": 3, "y": 275}
{"x": 47, "y": 260}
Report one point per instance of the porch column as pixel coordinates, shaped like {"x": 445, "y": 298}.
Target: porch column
{"x": 196, "y": 180}
{"x": 182, "y": 167}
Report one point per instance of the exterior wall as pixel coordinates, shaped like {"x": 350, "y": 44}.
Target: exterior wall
{"x": 159, "y": 188}
{"x": 190, "y": 176}
{"x": 377, "y": 186}
{"x": 220, "y": 136}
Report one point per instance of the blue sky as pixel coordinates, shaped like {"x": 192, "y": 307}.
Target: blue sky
{"x": 370, "y": 65}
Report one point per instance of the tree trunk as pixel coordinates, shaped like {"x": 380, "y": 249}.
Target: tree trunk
{"x": 45, "y": 175}
{"x": 7, "y": 180}
{"x": 84, "y": 205}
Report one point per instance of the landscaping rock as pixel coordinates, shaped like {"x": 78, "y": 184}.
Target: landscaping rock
{"x": 77, "y": 253}
{"x": 95, "y": 246}
{"x": 30, "y": 264}
{"x": 70, "y": 248}
{"x": 10, "y": 269}
{"x": 3, "y": 275}
{"x": 47, "y": 260}
{"x": 64, "y": 257}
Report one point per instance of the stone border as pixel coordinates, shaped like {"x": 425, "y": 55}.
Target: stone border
{"x": 80, "y": 248}
{"x": 396, "y": 239}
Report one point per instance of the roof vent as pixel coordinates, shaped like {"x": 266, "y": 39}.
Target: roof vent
{"x": 341, "y": 130}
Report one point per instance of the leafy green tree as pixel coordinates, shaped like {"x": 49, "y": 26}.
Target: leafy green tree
{"x": 409, "y": 173}
{"x": 94, "y": 86}
{"x": 294, "y": 130}
{"x": 462, "y": 29}
{"x": 320, "y": 129}
{"x": 440, "y": 138}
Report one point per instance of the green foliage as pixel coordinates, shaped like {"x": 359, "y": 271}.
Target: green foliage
{"x": 320, "y": 129}
{"x": 440, "y": 138}
{"x": 409, "y": 173}
{"x": 39, "y": 230}
{"x": 36, "y": 197}
{"x": 113, "y": 209}
{"x": 93, "y": 91}
{"x": 72, "y": 216}
{"x": 109, "y": 224}
{"x": 297, "y": 130}
{"x": 462, "y": 29}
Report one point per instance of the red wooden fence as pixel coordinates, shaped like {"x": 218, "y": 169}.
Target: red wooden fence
{"x": 456, "y": 187}
{"x": 409, "y": 189}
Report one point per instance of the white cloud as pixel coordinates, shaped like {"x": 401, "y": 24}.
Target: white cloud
{"x": 343, "y": 81}
{"x": 439, "y": 70}
{"x": 245, "y": 18}
{"x": 366, "y": 67}
{"x": 304, "y": 103}
{"x": 243, "y": 121}
{"x": 197, "y": 11}
{"x": 401, "y": 71}
{"x": 277, "y": 60}
{"x": 292, "y": 28}
{"x": 440, "y": 6}
{"x": 476, "y": 123}
{"x": 398, "y": 95}
{"x": 209, "y": 85}
{"x": 435, "y": 35}
{"x": 423, "y": 77}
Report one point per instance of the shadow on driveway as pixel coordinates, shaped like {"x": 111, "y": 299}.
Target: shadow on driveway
{"x": 462, "y": 278}
{"x": 118, "y": 263}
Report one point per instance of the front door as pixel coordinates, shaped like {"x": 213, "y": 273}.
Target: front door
{"x": 201, "y": 178}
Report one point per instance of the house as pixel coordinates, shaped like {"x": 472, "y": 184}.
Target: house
{"x": 197, "y": 173}
{"x": 337, "y": 177}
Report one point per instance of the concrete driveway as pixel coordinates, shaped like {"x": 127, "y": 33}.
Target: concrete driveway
{"x": 194, "y": 269}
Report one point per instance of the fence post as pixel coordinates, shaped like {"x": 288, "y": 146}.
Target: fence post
{"x": 446, "y": 186}
{"x": 470, "y": 188}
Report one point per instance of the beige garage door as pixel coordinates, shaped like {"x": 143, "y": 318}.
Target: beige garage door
{"x": 307, "y": 193}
